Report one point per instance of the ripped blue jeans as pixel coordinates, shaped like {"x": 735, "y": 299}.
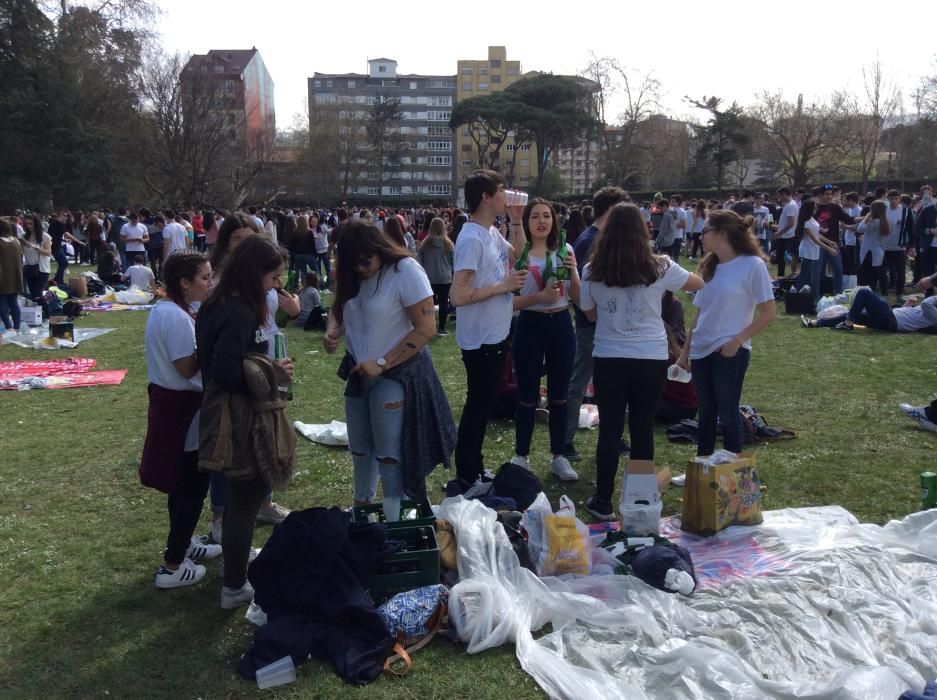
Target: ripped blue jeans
{"x": 375, "y": 434}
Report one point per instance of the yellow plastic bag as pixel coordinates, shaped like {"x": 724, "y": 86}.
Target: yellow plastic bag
{"x": 565, "y": 543}
{"x": 721, "y": 495}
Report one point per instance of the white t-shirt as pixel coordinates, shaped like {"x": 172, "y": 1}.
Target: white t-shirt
{"x": 534, "y": 283}
{"x": 134, "y": 234}
{"x": 321, "y": 237}
{"x": 727, "y": 303}
{"x": 270, "y": 328}
{"x": 849, "y": 234}
{"x": 698, "y": 223}
{"x": 808, "y": 249}
{"x": 31, "y": 255}
{"x": 170, "y": 336}
{"x": 894, "y": 217}
{"x": 789, "y": 212}
{"x": 140, "y": 276}
{"x": 270, "y": 228}
{"x": 761, "y": 221}
{"x": 629, "y": 323}
{"x": 174, "y": 236}
{"x": 258, "y": 222}
{"x": 679, "y": 233}
{"x": 486, "y": 253}
{"x": 376, "y": 319}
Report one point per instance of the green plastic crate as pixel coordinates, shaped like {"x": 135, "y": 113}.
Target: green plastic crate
{"x": 415, "y": 566}
{"x": 424, "y": 515}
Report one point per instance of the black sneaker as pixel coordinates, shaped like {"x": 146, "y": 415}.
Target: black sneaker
{"x": 600, "y": 509}
{"x": 571, "y": 453}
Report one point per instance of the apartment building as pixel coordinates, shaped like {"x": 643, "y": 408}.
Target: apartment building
{"x": 424, "y": 168}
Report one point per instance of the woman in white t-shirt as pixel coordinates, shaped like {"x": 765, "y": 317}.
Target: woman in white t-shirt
{"x": 384, "y": 308}
{"x": 698, "y": 218}
{"x": 622, "y": 287}
{"x": 544, "y": 332}
{"x": 170, "y": 451}
{"x": 737, "y": 283}
{"x": 37, "y": 256}
{"x": 808, "y": 230}
{"x": 874, "y": 230}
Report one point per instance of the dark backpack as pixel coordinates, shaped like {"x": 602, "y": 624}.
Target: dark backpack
{"x": 514, "y": 481}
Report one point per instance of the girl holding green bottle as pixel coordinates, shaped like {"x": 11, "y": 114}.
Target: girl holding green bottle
{"x": 544, "y": 331}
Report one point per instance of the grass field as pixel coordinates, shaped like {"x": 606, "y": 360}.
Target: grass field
{"x": 80, "y": 539}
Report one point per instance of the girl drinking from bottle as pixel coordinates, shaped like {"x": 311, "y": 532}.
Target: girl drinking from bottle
{"x": 544, "y": 331}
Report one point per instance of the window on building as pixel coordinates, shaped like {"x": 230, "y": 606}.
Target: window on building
{"x": 514, "y": 70}
{"x": 467, "y": 164}
{"x": 317, "y": 83}
{"x": 328, "y": 83}
{"x": 466, "y": 70}
{"x": 204, "y": 68}
{"x": 371, "y": 190}
{"x": 483, "y": 87}
{"x": 439, "y": 146}
{"x": 351, "y": 83}
{"x": 466, "y": 87}
{"x": 437, "y": 130}
{"x": 439, "y": 189}
{"x": 466, "y": 131}
{"x": 438, "y": 115}
{"x": 524, "y": 147}
{"x": 229, "y": 85}
{"x": 439, "y": 160}
{"x": 382, "y": 69}
{"x": 495, "y": 62}
{"x": 393, "y": 189}
{"x": 219, "y": 69}
{"x": 466, "y": 148}
{"x": 439, "y": 101}
{"x": 482, "y": 71}
{"x": 412, "y": 87}
{"x": 524, "y": 162}
{"x": 496, "y": 79}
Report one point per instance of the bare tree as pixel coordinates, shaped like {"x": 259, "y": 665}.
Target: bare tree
{"x": 798, "y": 133}
{"x": 864, "y": 118}
{"x": 195, "y": 150}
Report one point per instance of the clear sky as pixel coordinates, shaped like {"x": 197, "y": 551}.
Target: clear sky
{"x": 722, "y": 49}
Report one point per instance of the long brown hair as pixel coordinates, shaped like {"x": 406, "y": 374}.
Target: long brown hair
{"x": 394, "y": 230}
{"x": 243, "y": 275}
{"x": 553, "y": 238}
{"x": 621, "y": 255}
{"x": 232, "y": 223}
{"x": 877, "y": 210}
{"x": 437, "y": 227}
{"x": 360, "y": 239}
{"x": 740, "y": 235}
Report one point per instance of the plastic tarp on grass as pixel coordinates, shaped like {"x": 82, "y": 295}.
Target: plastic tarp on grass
{"x": 811, "y": 604}
{"x": 38, "y": 337}
{"x": 67, "y": 373}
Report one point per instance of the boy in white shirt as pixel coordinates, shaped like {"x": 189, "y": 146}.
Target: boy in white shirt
{"x": 483, "y": 283}
{"x": 139, "y": 275}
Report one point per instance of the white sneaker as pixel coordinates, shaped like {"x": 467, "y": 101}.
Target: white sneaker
{"x": 200, "y": 549}
{"x": 919, "y": 414}
{"x": 562, "y": 469}
{"x": 187, "y": 574}
{"x": 235, "y": 597}
{"x": 521, "y": 462}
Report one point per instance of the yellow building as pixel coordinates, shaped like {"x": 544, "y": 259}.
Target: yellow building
{"x": 475, "y": 78}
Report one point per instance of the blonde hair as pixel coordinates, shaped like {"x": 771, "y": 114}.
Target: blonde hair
{"x": 437, "y": 227}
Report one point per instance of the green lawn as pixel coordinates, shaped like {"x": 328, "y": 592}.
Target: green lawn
{"x": 80, "y": 539}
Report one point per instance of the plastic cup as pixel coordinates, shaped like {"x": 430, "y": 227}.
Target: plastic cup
{"x": 280, "y": 672}
{"x": 676, "y": 373}
{"x": 521, "y": 199}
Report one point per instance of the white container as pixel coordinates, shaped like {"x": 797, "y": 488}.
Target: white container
{"x": 280, "y": 672}
{"x": 676, "y": 373}
{"x": 31, "y": 315}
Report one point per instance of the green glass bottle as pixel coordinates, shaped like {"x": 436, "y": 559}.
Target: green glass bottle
{"x": 522, "y": 262}
{"x": 562, "y": 274}
{"x": 549, "y": 274}
{"x": 291, "y": 281}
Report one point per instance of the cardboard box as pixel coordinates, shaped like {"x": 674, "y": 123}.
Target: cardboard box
{"x": 721, "y": 495}
{"x": 61, "y": 327}
{"x": 79, "y": 286}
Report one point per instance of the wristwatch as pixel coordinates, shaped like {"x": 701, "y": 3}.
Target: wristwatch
{"x": 381, "y": 362}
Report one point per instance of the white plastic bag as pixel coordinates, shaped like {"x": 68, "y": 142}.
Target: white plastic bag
{"x": 831, "y": 311}
{"x": 588, "y": 416}
{"x": 133, "y": 297}
{"x": 558, "y": 542}
{"x": 334, "y": 433}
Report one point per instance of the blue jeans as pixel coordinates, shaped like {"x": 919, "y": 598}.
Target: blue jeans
{"x": 538, "y": 337}
{"x": 375, "y": 434}
{"x": 836, "y": 262}
{"x": 718, "y": 383}
{"x": 10, "y": 311}
{"x": 810, "y": 274}
{"x": 61, "y": 264}
{"x": 675, "y": 249}
{"x": 303, "y": 263}
{"x": 323, "y": 266}
{"x": 868, "y": 309}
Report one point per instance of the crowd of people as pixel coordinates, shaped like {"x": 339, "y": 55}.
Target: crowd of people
{"x": 508, "y": 274}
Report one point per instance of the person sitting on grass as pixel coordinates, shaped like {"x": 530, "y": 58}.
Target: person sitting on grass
{"x": 868, "y": 309}
{"x": 140, "y": 276}
{"x": 108, "y": 264}
{"x": 310, "y": 304}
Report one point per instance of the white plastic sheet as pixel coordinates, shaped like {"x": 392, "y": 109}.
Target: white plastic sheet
{"x": 334, "y": 433}
{"x": 811, "y": 604}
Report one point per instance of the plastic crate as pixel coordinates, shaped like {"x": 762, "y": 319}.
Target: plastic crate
{"x": 796, "y": 303}
{"x": 423, "y": 515}
{"x": 415, "y": 566}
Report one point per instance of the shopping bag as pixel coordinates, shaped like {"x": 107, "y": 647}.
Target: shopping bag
{"x": 721, "y": 495}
